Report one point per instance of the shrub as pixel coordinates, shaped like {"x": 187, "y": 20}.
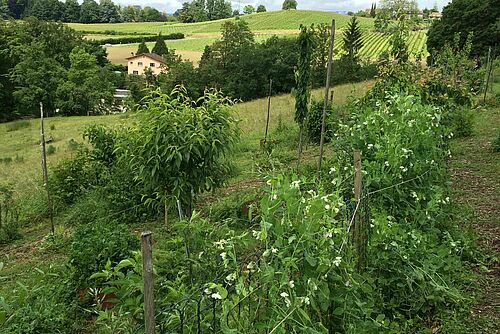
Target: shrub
{"x": 51, "y": 149}
{"x": 462, "y": 122}
{"x": 93, "y": 245}
{"x": 135, "y": 39}
{"x": 17, "y": 125}
{"x": 9, "y": 216}
{"x": 496, "y": 144}
{"x": 314, "y": 120}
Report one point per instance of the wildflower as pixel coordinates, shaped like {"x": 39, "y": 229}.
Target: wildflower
{"x": 231, "y": 277}
{"x": 337, "y": 261}
{"x": 291, "y": 284}
{"x": 325, "y": 198}
{"x": 327, "y": 207}
{"x": 295, "y": 184}
{"x": 266, "y": 253}
{"x": 216, "y": 296}
{"x": 386, "y": 163}
{"x": 332, "y": 170}
{"x": 275, "y": 197}
{"x": 370, "y": 146}
{"x": 207, "y": 291}
{"x": 328, "y": 234}
{"x": 346, "y": 168}
{"x": 250, "y": 265}
{"x": 274, "y": 250}
{"x": 220, "y": 244}
{"x": 284, "y": 294}
{"x": 447, "y": 199}
{"x": 223, "y": 255}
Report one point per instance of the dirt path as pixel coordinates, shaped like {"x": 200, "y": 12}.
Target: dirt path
{"x": 475, "y": 170}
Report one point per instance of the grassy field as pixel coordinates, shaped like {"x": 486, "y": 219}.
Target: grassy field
{"x": 20, "y": 149}
{"x": 277, "y": 20}
{"x": 263, "y": 25}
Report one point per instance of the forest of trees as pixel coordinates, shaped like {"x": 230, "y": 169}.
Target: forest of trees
{"x": 89, "y": 11}
{"x": 50, "y": 63}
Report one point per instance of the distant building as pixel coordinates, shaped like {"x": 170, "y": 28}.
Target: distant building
{"x": 138, "y": 63}
{"x": 435, "y": 16}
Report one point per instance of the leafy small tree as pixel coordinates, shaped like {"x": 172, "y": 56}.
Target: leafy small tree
{"x": 160, "y": 47}
{"x": 179, "y": 148}
{"x": 261, "y": 9}
{"x": 143, "y": 48}
{"x": 373, "y": 10}
{"x": 249, "y": 9}
{"x": 289, "y": 4}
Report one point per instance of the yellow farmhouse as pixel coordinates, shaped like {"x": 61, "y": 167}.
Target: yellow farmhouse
{"x": 138, "y": 63}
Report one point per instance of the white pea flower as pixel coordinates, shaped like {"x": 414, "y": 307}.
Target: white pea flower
{"x": 327, "y": 207}
{"x": 284, "y": 294}
{"x": 220, "y": 244}
{"x": 216, "y": 296}
{"x": 386, "y": 163}
{"x": 337, "y": 261}
{"x": 266, "y": 253}
{"x": 370, "y": 146}
{"x": 275, "y": 197}
{"x": 295, "y": 184}
{"x": 332, "y": 170}
{"x": 291, "y": 284}
{"x": 325, "y": 198}
{"x": 447, "y": 199}
{"x": 274, "y": 250}
{"x": 207, "y": 291}
{"x": 328, "y": 234}
{"x": 223, "y": 255}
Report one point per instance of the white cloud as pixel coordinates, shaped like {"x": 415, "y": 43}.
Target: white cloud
{"x": 171, "y": 6}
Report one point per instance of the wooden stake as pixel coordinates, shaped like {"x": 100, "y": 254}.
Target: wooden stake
{"x": 268, "y": 108}
{"x": 147, "y": 274}
{"x": 44, "y": 169}
{"x": 359, "y": 230}
{"x": 325, "y": 105}
{"x": 487, "y": 76}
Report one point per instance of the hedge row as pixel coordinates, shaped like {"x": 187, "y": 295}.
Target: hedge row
{"x": 135, "y": 39}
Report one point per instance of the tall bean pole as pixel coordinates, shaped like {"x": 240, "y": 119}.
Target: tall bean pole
{"x": 268, "y": 108}
{"x": 325, "y": 105}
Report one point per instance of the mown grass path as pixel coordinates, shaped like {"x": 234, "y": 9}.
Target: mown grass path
{"x": 475, "y": 171}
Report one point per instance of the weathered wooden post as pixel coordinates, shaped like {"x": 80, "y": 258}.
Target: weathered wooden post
{"x": 147, "y": 274}
{"x": 359, "y": 231}
{"x": 487, "y": 75}
{"x": 268, "y": 108}
{"x": 44, "y": 169}
{"x": 325, "y": 105}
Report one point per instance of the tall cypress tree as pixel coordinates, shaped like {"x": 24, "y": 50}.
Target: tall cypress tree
{"x": 353, "y": 39}
{"x": 143, "y": 48}
{"x": 160, "y": 47}
{"x": 303, "y": 80}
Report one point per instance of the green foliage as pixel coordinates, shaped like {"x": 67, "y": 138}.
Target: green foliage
{"x": 303, "y": 75}
{"x": 495, "y": 145}
{"x": 9, "y": 217}
{"x": 289, "y": 4}
{"x": 17, "y": 125}
{"x": 314, "y": 120}
{"x": 160, "y": 48}
{"x": 199, "y": 11}
{"x": 353, "y": 40}
{"x": 96, "y": 244}
{"x": 462, "y": 122}
{"x": 261, "y": 9}
{"x": 143, "y": 48}
{"x": 51, "y": 149}
{"x": 47, "y": 305}
{"x": 135, "y": 39}
{"x": 248, "y": 9}
{"x": 463, "y": 17}
{"x": 177, "y": 149}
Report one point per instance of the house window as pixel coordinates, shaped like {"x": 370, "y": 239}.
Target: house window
{"x": 136, "y": 72}
{"x": 139, "y": 63}
{"x": 131, "y": 62}
{"x": 152, "y": 64}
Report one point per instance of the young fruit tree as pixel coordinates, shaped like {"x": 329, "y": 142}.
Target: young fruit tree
{"x": 179, "y": 147}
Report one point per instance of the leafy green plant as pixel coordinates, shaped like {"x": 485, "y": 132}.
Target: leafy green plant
{"x": 17, "y": 125}
{"x": 314, "y": 119}
{"x": 93, "y": 245}
{"x": 495, "y": 145}
{"x": 9, "y": 216}
{"x": 51, "y": 149}
{"x": 179, "y": 149}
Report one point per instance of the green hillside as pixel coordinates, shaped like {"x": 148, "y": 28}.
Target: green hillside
{"x": 278, "y": 20}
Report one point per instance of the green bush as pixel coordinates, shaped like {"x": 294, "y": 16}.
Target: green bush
{"x": 93, "y": 245}
{"x": 136, "y": 39}
{"x": 17, "y": 125}
{"x": 496, "y": 144}
{"x": 51, "y": 149}
{"x": 314, "y": 120}
{"x": 9, "y": 216}
{"x": 462, "y": 122}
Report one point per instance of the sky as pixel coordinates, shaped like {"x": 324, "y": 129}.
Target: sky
{"x": 171, "y": 6}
